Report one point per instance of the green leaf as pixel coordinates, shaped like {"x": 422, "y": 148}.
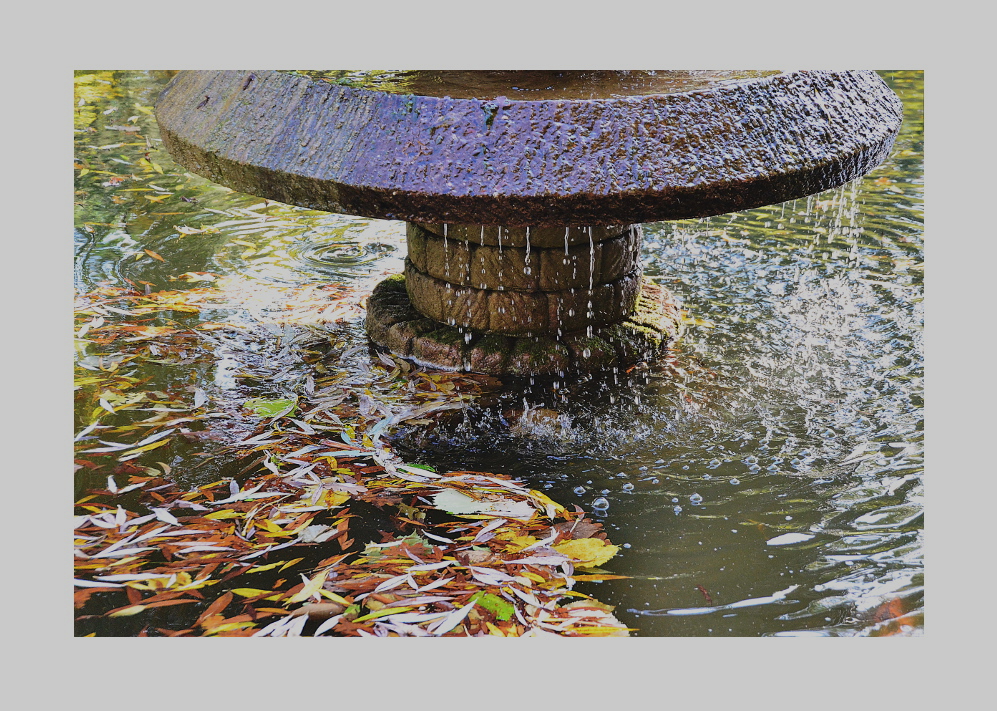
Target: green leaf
{"x": 271, "y": 408}
{"x": 502, "y": 609}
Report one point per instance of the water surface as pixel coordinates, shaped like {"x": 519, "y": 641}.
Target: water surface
{"x": 765, "y": 479}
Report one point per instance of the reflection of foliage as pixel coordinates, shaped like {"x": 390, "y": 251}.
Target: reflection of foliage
{"x": 390, "y": 80}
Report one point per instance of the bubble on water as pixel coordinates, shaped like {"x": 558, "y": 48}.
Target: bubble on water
{"x": 714, "y": 463}
{"x": 696, "y": 499}
{"x": 677, "y": 510}
{"x": 604, "y": 491}
{"x": 628, "y": 487}
{"x": 586, "y": 353}
{"x": 754, "y": 468}
{"x": 600, "y": 503}
{"x": 654, "y": 480}
{"x": 751, "y": 459}
{"x": 735, "y": 482}
{"x": 625, "y": 545}
{"x": 829, "y": 433}
{"x": 707, "y": 476}
{"x": 579, "y": 490}
{"x": 674, "y": 500}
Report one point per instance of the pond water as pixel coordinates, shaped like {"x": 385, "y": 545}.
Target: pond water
{"x": 765, "y": 479}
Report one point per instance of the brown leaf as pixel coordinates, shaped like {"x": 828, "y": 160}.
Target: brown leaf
{"x": 215, "y": 607}
{"x": 319, "y": 610}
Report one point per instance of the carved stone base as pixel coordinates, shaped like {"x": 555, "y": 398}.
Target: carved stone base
{"x": 395, "y": 325}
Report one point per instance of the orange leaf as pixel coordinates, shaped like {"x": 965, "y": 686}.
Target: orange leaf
{"x": 153, "y": 255}
{"x": 215, "y": 608}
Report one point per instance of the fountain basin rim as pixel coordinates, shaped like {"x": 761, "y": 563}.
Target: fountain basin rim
{"x": 738, "y": 145}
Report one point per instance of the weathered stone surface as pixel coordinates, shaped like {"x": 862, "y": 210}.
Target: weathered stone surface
{"x": 621, "y": 159}
{"x": 521, "y": 312}
{"x": 513, "y": 269}
{"x": 593, "y": 352}
{"x": 654, "y": 324}
{"x": 539, "y": 355}
{"x": 536, "y": 236}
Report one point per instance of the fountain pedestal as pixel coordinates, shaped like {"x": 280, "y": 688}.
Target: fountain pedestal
{"x": 522, "y": 301}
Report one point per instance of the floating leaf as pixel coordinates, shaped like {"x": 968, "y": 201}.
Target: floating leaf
{"x": 502, "y": 609}
{"x": 271, "y": 408}
{"x": 587, "y": 552}
{"x": 460, "y": 504}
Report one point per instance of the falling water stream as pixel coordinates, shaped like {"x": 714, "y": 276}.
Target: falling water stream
{"x": 763, "y": 479}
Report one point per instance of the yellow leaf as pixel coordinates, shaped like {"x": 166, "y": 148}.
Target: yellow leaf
{"x": 587, "y": 552}
{"x": 225, "y": 627}
{"x": 518, "y": 543}
{"x": 251, "y": 592}
{"x": 261, "y": 568}
{"x": 334, "y": 597}
{"x": 336, "y": 498}
{"x": 128, "y": 611}
{"x": 224, "y": 513}
{"x": 533, "y": 576}
{"x": 289, "y": 563}
{"x": 311, "y": 587}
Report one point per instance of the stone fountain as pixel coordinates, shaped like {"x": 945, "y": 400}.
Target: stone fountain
{"x": 523, "y": 192}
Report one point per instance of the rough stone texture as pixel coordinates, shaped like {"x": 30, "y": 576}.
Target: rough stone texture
{"x": 464, "y": 263}
{"x": 644, "y": 335}
{"x": 731, "y": 146}
{"x": 510, "y": 236}
{"x": 521, "y": 312}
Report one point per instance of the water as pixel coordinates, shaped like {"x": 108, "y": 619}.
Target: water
{"x": 534, "y": 85}
{"x": 764, "y": 479}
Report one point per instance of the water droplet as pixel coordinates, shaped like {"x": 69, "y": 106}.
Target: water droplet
{"x": 586, "y": 353}
{"x": 600, "y": 503}
{"x": 579, "y": 490}
{"x": 696, "y": 499}
{"x": 628, "y": 487}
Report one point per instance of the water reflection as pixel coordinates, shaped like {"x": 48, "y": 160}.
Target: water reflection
{"x": 775, "y": 456}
